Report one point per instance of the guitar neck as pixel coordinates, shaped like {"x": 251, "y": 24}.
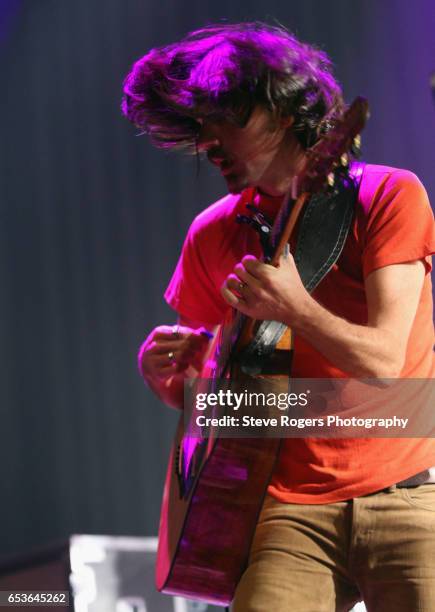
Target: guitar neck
{"x": 285, "y": 223}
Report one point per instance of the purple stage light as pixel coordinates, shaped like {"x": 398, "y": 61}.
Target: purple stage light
{"x": 8, "y": 12}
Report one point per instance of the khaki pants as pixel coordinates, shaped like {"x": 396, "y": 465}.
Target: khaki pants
{"x": 324, "y": 558}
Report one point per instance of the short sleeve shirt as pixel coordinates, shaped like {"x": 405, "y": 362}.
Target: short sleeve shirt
{"x": 393, "y": 223}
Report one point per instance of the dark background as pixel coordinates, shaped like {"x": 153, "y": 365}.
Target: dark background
{"x": 92, "y": 220}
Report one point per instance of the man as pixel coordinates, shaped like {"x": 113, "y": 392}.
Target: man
{"x": 343, "y": 519}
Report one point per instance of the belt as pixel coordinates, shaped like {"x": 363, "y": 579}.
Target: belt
{"x": 424, "y": 477}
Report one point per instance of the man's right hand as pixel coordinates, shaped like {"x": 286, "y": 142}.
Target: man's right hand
{"x": 170, "y": 350}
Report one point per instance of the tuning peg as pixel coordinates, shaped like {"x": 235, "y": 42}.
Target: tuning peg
{"x": 356, "y": 146}
{"x": 330, "y": 179}
{"x": 259, "y": 215}
{"x": 262, "y": 225}
{"x": 344, "y": 160}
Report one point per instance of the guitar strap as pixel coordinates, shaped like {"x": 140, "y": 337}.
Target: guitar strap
{"x": 324, "y": 227}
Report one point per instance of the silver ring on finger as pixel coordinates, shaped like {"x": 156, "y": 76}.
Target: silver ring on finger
{"x": 171, "y": 357}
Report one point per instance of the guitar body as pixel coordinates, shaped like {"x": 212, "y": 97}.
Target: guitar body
{"x": 213, "y": 494}
{"x": 204, "y": 540}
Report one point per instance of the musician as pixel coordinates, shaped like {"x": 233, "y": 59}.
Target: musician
{"x": 343, "y": 519}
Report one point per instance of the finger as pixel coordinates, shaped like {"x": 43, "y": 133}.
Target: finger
{"x": 201, "y": 336}
{"x": 171, "y": 331}
{"x": 169, "y": 334}
{"x": 194, "y": 345}
{"x": 234, "y": 283}
{"x": 285, "y": 260}
{"x": 169, "y": 337}
{"x": 257, "y": 269}
{"x": 189, "y": 355}
{"x": 161, "y": 347}
{"x": 152, "y": 365}
{"x": 172, "y": 363}
{"x": 204, "y": 333}
{"x": 233, "y": 300}
{"x": 253, "y": 265}
{"x": 181, "y": 353}
{"x": 161, "y": 361}
{"x": 246, "y": 277}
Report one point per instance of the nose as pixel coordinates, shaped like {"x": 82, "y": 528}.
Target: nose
{"x": 207, "y": 139}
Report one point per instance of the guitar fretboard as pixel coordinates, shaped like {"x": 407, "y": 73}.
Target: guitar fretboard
{"x": 281, "y": 221}
{"x": 230, "y": 335}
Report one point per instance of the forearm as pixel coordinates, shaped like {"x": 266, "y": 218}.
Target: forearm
{"x": 375, "y": 350}
{"x": 361, "y": 351}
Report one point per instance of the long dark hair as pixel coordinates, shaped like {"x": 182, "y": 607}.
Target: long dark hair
{"x": 222, "y": 72}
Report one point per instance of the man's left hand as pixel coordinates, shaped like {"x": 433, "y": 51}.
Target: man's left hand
{"x": 264, "y": 292}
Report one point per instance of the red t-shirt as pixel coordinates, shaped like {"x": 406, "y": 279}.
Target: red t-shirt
{"x": 393, "y": 223}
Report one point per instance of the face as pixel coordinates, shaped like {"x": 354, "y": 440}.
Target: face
{"x": 261, "y": 154}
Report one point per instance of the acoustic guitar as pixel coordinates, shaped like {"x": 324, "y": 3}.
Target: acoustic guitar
{"x": 215, "y": 486}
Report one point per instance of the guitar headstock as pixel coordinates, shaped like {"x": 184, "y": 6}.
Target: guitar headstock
{"x": 333, "y": 148}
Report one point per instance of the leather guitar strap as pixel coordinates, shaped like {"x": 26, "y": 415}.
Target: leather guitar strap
{"x": 324, "y": 228}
